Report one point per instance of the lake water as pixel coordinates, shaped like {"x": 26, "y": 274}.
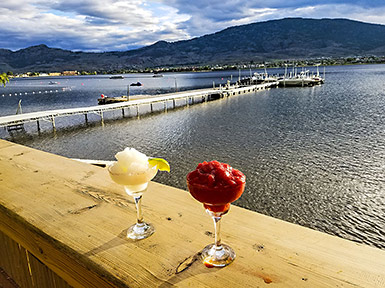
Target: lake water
{"x": 314, "y": 156}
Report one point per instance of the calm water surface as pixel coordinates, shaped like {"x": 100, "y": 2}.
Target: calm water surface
{"x": 313, "y": 156}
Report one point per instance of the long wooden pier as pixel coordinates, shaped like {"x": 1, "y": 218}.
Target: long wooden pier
{"x": 189, "y": 97}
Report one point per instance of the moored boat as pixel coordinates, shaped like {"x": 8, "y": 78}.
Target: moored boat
{"x": 293, "y": 82}
{"x": 109, "y": 100}
{"x": 300, "y": 80}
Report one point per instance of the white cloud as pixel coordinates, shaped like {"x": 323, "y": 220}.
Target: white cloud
{"x": 105, "y": 25}
{"x": 88, "y": 25}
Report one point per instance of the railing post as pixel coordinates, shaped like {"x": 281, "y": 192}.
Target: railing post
{"x": 53, "y": 122}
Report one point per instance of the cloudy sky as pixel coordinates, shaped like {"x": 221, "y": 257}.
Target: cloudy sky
{"x": 116, "y": 25}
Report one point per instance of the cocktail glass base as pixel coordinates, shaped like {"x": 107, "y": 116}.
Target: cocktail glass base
{"x": 140, "y": 231}
{"x": 217, "y": 256}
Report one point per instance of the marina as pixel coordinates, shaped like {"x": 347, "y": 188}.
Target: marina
{"x": 289, "y": 79}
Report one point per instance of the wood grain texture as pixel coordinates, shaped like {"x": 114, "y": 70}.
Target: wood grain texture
{"x": 73, "y": 218}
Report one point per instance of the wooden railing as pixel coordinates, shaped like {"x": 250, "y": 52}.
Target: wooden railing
{"x": 63, "y": 224}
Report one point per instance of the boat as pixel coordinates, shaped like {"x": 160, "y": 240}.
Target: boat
{"x": 317, "y": 79}
{"x": 136, "y": 84}
{"x": 53, "y": 83}
{"x": 293, "y": 82}
{"x": 109, "y": 100}
{"x": 157, "y": 75}
{"x": 117, "y": 77}
{"x": 300, "y": 80}
{"x": 262, "y": 78}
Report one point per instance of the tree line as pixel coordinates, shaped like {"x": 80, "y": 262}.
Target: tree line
{"x": 4, "y": 79}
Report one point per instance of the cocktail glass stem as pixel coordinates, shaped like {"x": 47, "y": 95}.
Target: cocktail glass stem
{"x": 217, "y": 227}
{"x": 217, "y": 254}
{"x": 141, "y": 229}
{"x": 139, "y": 213}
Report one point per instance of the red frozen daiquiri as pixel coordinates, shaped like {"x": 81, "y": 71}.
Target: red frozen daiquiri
{"x": 216, "y": 185}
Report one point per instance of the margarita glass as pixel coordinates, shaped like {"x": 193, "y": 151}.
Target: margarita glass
{"x": 216, "y": 185}
{"x": 135, "y": 176}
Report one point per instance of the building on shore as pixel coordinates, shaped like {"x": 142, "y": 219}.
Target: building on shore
{"x": 54, "y": 74}
{"x": 69, "y": 73}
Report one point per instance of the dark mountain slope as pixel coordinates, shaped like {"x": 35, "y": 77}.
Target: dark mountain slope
{"x": 276, "y": 39}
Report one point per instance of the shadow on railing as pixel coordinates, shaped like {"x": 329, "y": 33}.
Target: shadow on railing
{"x": 24, "y": 269}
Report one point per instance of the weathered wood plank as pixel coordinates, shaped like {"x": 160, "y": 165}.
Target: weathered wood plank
{"x": 42, "y": 276}
{"x": 6, "y": 281}
{"x": 13, "y": 259}
{"x": 73, "y": 218}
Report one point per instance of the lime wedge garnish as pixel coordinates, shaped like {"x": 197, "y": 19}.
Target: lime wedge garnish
{"x": 161, "y": 163}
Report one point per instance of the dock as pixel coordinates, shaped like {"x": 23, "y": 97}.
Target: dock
{"x": 169, "y": 101}
{"x": 63, "y": 224}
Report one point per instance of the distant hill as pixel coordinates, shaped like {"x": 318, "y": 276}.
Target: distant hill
{"x": 290, "y": 38}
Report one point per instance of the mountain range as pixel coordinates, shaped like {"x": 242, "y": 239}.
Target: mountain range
{"x": 289, "y": 38}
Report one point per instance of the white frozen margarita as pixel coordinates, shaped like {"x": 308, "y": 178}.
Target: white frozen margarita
{"x": 132, "y": 170}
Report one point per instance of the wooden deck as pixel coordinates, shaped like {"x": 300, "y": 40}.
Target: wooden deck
{"x": 189, "y": 97}
{"x": 62, "y": 224}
